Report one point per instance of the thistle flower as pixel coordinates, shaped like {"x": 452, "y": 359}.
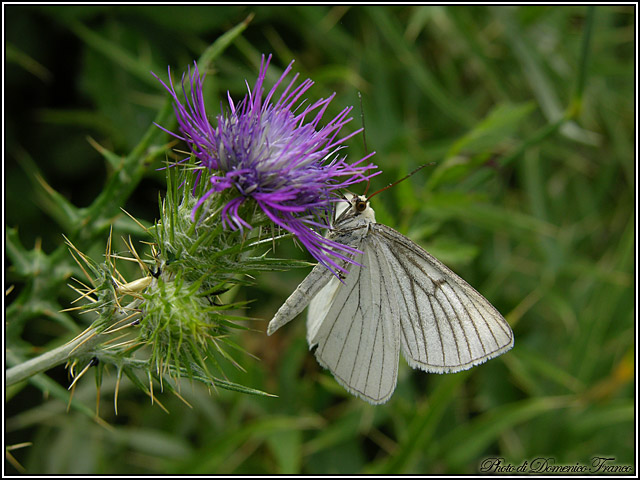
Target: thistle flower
{"x": 275, "y": 153}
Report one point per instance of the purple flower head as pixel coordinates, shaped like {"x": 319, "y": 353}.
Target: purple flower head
{"x": 273, "y": 151}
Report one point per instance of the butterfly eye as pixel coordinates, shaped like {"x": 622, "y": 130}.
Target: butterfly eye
{"x": 360, "y": 205}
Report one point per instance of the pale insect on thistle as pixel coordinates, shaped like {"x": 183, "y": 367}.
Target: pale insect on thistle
{"x": 395, "y": 298}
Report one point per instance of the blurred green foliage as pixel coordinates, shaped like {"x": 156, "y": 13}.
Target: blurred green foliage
{"x": 528, "y": 113}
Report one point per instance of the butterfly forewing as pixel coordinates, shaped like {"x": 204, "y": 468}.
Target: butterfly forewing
{"x": 446, "y": 325}
{"x": 358, "y": 339}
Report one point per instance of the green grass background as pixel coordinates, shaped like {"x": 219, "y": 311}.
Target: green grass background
{"x": 534, "y": 210}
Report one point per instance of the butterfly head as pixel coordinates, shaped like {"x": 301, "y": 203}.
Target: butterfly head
{"x": 356, "y": 211}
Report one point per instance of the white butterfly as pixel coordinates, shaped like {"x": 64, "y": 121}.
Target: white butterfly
{"x": 400, "y": 299}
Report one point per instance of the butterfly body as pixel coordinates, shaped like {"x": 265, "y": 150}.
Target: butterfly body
{"x": 398, "y": 298}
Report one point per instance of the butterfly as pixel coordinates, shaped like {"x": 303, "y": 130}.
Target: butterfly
{"x": 397, "y": 298}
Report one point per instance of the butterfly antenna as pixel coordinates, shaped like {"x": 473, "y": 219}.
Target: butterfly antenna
{"x": 398, "y": 181}
{"x": 364, "y": 139}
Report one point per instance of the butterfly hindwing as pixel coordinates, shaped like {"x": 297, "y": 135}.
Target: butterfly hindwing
{"x": 320, "y": 305}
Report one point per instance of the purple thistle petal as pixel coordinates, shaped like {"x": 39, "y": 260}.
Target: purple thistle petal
{"x": 273, "y": 152}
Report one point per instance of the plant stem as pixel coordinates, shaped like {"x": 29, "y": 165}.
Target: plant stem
{"x": 84, "y": 342}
